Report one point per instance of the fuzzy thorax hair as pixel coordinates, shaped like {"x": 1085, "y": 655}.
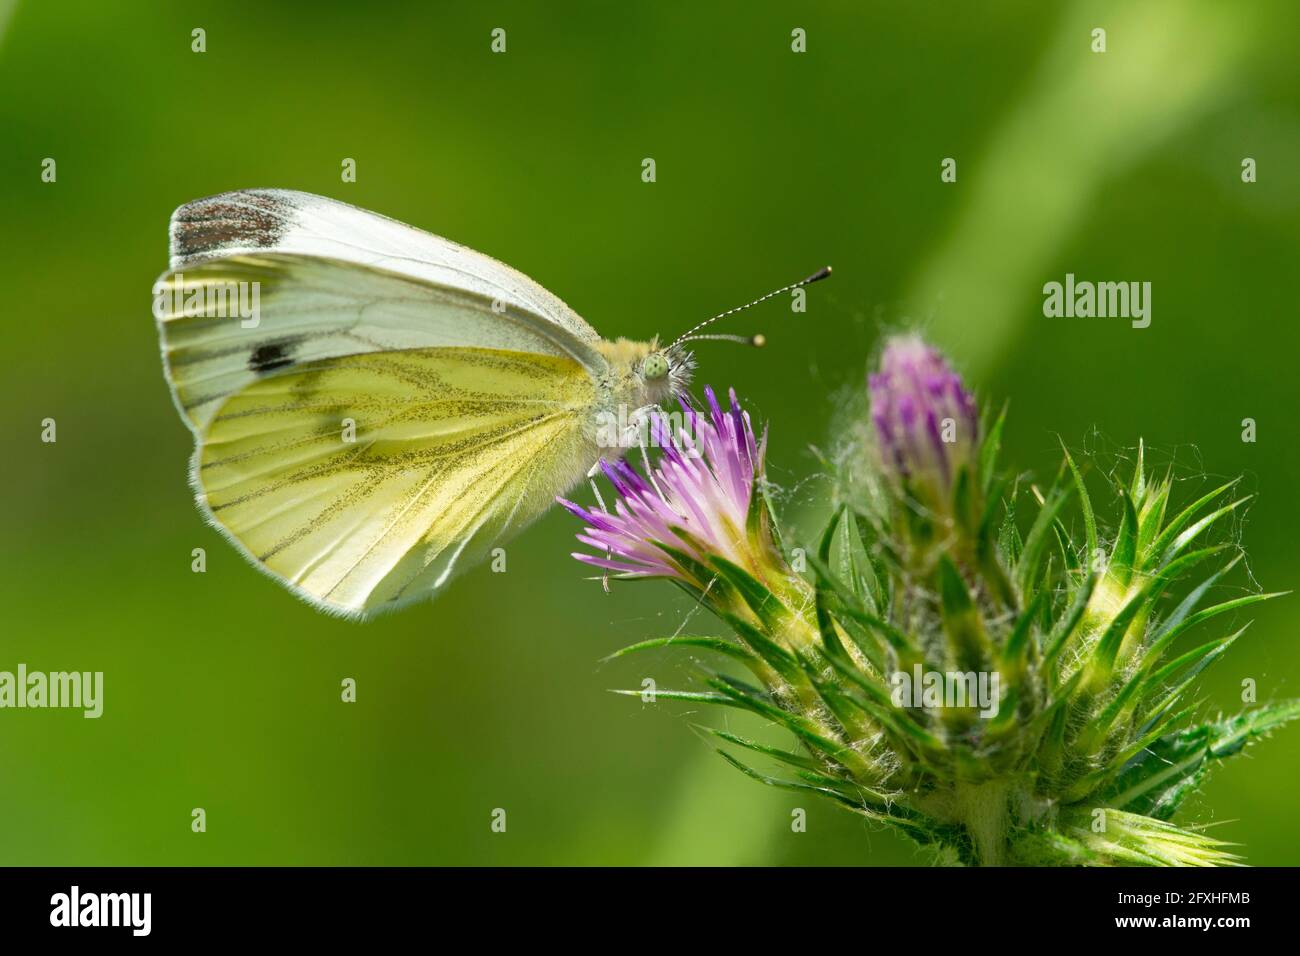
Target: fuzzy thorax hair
{"x": 627, "y": 379}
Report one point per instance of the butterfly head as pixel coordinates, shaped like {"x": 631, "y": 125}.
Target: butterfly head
{"x": 666, "y": 372}
{"x": 655, "y": 367}
{"x": 646, "y": 373}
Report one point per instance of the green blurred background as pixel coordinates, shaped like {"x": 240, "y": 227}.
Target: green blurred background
{"x": 222, "y": 691}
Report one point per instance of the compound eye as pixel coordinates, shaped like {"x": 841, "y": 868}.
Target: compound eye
{"x": 655, "y": 366}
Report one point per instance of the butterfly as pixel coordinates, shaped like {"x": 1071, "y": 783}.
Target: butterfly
{"x": 376, "y": 408}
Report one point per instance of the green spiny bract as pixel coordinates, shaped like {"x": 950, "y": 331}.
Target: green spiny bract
{"x": 927, "y": 568}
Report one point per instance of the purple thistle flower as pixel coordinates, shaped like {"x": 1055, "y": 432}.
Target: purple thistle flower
{"x": 926, "y": 422}
{"x": 702, "y": 485}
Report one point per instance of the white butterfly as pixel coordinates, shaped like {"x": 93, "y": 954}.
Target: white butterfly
{"x": 374, "y": 407}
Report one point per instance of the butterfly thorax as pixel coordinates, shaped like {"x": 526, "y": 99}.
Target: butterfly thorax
{"x": 639, "y": 377}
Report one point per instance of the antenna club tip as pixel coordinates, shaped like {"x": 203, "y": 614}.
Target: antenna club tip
{"x": 817, "y": 276}
{"x": 758, "y": 341}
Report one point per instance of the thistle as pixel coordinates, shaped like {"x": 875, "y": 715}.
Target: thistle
{"x": 925, "y": 420}
{"x": 701, "y": 518}
{"x": 995, "y": 686}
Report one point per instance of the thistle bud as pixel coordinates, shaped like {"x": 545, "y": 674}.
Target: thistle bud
{"x": 926, "y": 422}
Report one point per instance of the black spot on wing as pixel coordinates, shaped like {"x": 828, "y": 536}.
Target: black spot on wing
{"x": 270, "y": 356}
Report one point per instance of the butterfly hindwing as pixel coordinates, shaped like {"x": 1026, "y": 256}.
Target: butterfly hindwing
{"x": 365, "y": 481}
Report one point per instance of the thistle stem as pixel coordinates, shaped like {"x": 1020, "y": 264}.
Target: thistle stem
{"x": 982, "y": 809}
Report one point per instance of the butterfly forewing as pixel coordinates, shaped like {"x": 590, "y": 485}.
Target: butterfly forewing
{"x": 251, "y": 221}
{"x": 308, "y": 309}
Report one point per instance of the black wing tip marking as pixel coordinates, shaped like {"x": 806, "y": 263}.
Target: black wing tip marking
{"x": 229, "y": 222}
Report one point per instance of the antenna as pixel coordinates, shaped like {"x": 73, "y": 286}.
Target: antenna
{"x": 689, "y": 335}
{"x": 758, "y": 341}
